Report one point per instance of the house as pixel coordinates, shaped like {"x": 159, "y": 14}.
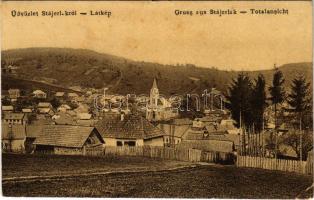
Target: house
{"x": 63, "y": 119}
{"x": 206, "y": 120}
{"x": 13, "y": 137}
{"x": 7, "y": 109}
{"x": 67, "y": 139}
{"x": 212, "y": 134}
{"x": 175, "y": 131}
{"x": 44, "y": 105}
{"x": 39, "y": 94}
{"x": 44, "y": 108}
{"x": 85, "y": 119}
{"x": 27, "y": 110}
{"x": 59, "y": 94}
{"x": 63, "y": 108}
{"x": 14, "y": 94}
{"x": 72, "y": 95}
{"x": 14, "y": 118}
{"x": 130, "y": 130}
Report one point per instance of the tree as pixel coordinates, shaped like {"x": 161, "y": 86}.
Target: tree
{"x": 55, "y": 103}
{"x": 299, "y": 98}
{"x": 239, "y": 100}
{"x": 277, "y": 91}
{"x": 258, "y": 102}
{"x": 277, "y": 94}
{"x": 300, "y": 101}
{"x": 292, "y": 139}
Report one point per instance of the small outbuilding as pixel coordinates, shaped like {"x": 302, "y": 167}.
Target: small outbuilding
{"x": 67, "y": 140}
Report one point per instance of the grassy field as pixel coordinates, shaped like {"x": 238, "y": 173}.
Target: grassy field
{"x": 212, "y": 181}
{"x": 17, "y": 165}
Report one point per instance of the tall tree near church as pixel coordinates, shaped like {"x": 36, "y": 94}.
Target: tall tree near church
{"x": 258, "y": 102}
{"x": 277, "y": 94}
{"x": 239, "y": 100}
{"x": 277, "y": 91}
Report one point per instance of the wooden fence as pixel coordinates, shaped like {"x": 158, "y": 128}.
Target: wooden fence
{"x": 218, "y": 157}
{"x": 304, "y": 167}
{"x": 167, "y": 153}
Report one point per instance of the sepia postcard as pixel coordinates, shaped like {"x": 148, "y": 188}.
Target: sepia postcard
{"x": 157, "y": 99}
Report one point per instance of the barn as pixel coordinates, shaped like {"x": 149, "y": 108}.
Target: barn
{"x": 67, "y": 140}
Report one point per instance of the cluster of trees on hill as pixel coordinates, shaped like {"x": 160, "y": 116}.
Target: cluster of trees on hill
{"x": 248, "y": 102}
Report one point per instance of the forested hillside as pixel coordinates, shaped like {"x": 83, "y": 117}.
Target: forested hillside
{"x": 81, "y": 69}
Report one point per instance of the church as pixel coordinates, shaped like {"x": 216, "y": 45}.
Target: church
{"x": 159, "y": 108}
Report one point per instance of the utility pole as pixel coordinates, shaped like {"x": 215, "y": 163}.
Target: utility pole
{"x": 300, "y": 138}
{"x": 275, "y": 131}
{"x": 263, "y": 132}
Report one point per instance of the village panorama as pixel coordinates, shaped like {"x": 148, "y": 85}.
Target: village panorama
{"x": 76, "y": 123}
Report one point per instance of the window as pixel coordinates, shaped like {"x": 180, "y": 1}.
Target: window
{"x": 129, "y": 143}
{"x": 119, "y": 143}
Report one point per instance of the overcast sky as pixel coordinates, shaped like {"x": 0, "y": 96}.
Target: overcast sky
{"x": 150, "y": 31}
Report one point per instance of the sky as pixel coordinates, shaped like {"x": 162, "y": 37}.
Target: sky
{"x": 150, "y": 31}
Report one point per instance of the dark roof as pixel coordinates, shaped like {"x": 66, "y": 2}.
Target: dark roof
{"x": 218, "y": 135}
{"x": 131, "y": 127}
{"x": 64, "y": 135}
{"x": 182, "y": 121}
{"x": 17, "y": 131}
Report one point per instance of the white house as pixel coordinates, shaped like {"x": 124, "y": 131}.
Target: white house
{"x": 130, "y": 130}
{"x": 63, "y": 108}
{"x": 7, "y": 109}
{"x": 40, "y": 94}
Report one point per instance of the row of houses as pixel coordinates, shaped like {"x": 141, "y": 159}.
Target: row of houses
{"x": 112, "y": 130}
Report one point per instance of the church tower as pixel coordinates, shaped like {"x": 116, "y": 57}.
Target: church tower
{"x": 154, "y": 95}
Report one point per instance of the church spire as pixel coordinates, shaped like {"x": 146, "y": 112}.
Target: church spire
{"x": 155, "y": 83}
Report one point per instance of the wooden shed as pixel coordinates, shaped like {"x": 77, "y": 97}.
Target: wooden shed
{"x": 67, "y": 140}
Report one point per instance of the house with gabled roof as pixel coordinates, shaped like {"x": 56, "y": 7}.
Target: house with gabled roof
{"x": 67, "y": 139}
{"x": 175, "y": 131}
{"x": 14, "y": 94}
{"x": 130, "y": 130}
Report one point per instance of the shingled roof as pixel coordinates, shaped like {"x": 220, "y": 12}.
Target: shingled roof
{"x": 64, "y": 135}
{"x": 131, "y": 127}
